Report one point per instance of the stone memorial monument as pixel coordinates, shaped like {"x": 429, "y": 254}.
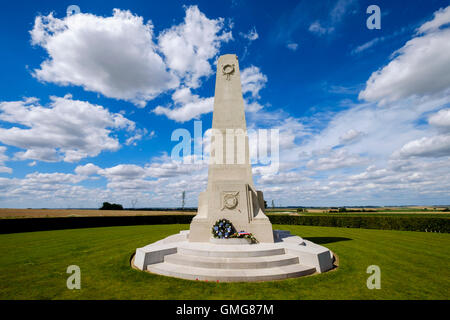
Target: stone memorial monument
{"x": 231, "y": 193}
{"x": 231, "y": 196}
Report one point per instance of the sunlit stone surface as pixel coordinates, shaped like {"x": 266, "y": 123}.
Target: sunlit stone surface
{"x": 194, "y": 254}
{"x": 230, "y": 193}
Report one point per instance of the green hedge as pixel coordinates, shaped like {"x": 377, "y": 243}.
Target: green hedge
{"x": 42, "y": 224}
{"x": 388, "y": 223}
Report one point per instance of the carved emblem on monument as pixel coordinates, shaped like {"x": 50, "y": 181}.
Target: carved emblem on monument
{"x": 230, "y": 200}
{"x": 228, "y": 70}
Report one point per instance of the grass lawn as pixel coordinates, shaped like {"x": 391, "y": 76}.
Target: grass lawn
{"x": 414, "y": 265}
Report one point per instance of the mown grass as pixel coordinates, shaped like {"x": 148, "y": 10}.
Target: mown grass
{"x": 414, "y": 265}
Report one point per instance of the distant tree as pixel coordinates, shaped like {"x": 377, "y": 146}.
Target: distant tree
{"x": 343, "y": 209}
{"x": 265, "y": 204}
{"x": 111, "y": 206}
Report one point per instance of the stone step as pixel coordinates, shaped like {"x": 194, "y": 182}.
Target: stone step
{"x": 230, "y": 275}
{"x": 228, "y": 251}
{"x": 232, "y": 263}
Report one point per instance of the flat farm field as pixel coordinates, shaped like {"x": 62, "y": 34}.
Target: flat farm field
{"x": 57, "y": 213}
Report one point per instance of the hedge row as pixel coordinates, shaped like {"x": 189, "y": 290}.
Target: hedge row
{"x": 387, "y": 223}
{"x": 41, "y": 224}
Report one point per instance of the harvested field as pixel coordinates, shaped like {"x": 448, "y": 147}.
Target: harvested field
{"x": 54, "y": 213}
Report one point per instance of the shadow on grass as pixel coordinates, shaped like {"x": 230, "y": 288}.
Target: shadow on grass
{"x": 324, "y": 240}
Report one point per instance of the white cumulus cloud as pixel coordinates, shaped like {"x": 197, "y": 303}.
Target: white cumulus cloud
{"x": 186, "y": 106}
{"x": 441, "y": 119}
{"x": 67, "y": 129}
{"x": 436, "y": 146}
{"x": 3, "y": 158}
{"x": 252, "y": 81}
{"x": 123, "y": 172}
{"x": 350, "y": 136}
{"x": 336, "y": 160}
{"x": 114, "y": 55}
{"x": 421, "y": 67}
{"x": 87, "y": 170}
{"x": 189, "y": 47}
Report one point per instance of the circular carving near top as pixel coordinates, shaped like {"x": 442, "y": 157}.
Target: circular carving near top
{"x": 230, "y": 200}
{"x": 228, "y": 70}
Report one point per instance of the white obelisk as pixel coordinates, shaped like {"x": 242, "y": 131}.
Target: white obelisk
{"x": 230, "y": 193}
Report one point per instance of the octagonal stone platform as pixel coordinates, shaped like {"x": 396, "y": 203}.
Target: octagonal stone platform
{"x": 288, "y": 257}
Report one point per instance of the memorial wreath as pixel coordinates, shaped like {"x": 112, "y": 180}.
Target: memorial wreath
{"x": 246, "y": 235}
{"x": 222, "y": 229}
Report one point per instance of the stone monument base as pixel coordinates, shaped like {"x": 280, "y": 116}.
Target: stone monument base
{"x": 288, "y": 257}
{"x": 260, "y": 228}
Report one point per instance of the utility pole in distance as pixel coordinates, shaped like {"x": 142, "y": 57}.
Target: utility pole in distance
{"x": 183, "y": 198}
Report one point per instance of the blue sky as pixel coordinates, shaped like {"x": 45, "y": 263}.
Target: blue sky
{"x": 89, "y": 101}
